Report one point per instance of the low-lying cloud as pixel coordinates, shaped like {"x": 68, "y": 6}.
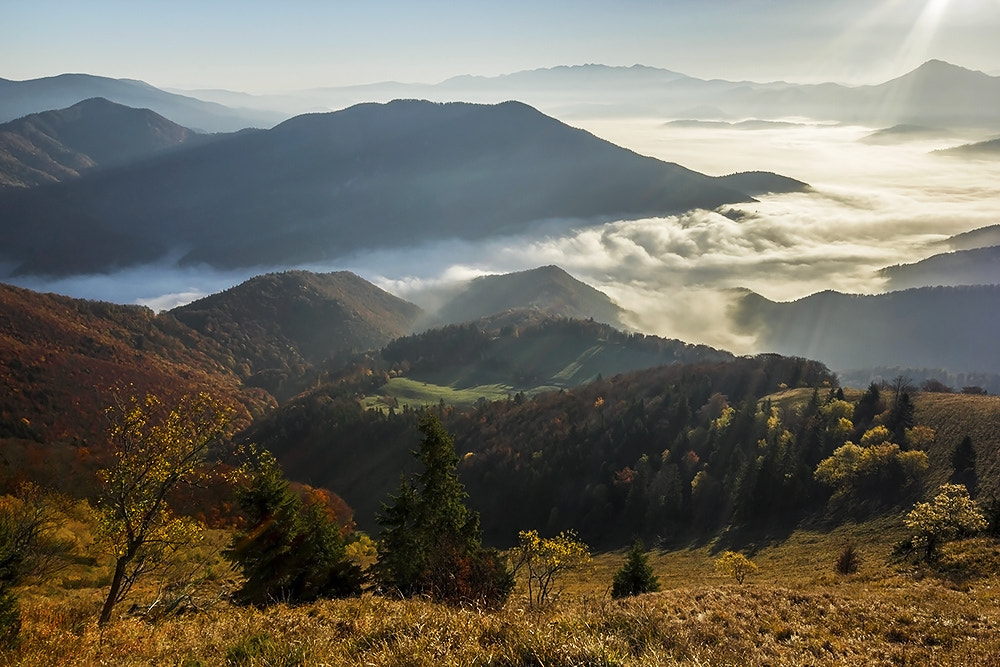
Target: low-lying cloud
{"x": 872, "y": 206}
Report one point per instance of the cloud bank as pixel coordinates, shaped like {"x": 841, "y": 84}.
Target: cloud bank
{"x": 872, "y": 206}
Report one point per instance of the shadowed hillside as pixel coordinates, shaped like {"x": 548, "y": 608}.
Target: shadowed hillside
{"x": 324, "y": 185}
{"x": 467, "y": 363}
{"x": 276, "y": 325}
{"x": 57, "y": 145}
{"x": 953, "y": 328}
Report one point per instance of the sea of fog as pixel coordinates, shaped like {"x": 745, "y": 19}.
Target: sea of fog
{"x": 871, "y": 206}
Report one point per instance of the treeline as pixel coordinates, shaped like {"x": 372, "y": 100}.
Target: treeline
{"x": 460, "y": 344}
{"x": 676, "y": 450}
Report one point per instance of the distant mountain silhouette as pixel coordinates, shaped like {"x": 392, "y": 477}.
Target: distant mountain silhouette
{"x": 903, "y": 132}
{"x": 976, "y": 238}
{"x": 56, "y": 145}
{"x": 762, "y": 182}
{"x": 323, "y": 185}
{"x": 276, "y": 323}
{"x": 953, "y": 328}
{"x": 940, "y": 93}
{"x": 979, "y": 266}
{"x": 935, "y": 94}
{"x": 20, "y": 98}
{"x": 983, "y": 149}
{"x": 548, "y": 290}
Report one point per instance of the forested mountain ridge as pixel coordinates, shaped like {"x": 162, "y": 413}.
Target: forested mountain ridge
{"x": 976, "y": 266}
{"x": 53, "y": 146}
{"x": 63, "y": 359}
{"x": 276, "y": 325}
{"x": 323, "y": 185}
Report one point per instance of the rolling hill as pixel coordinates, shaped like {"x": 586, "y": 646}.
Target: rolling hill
{"x": 53, "y": 146}
{"x": 494, "y": 359}
{"x": 324, "y": 185}
{"x": 983, "y": 150}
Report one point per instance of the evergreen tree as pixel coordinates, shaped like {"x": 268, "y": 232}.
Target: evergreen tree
{"x": 431, "y": 541}
{"x": 901, "y": 417}
{"x": 291, "y": 551}
{"x": 636, "y": 576}
{"x": 963, "y": 462}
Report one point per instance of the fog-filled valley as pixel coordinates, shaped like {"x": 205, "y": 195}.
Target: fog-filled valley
{"x": 877, "y": 202}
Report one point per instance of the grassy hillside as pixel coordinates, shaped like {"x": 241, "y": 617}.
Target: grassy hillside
{"x": 953, "y": 417}
{"x": 795, "y": 611}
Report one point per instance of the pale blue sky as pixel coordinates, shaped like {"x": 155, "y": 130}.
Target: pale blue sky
{"x": 257, "y": 46}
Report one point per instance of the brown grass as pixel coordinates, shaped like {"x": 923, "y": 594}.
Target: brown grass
{"x": 796, "y": 611}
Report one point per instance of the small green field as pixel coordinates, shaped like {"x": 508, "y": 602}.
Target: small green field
{"x": 416, "y": 393}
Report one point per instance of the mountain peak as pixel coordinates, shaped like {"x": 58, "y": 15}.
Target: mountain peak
{"x": 281, "y": 320}
{"x": 546, "y": 289}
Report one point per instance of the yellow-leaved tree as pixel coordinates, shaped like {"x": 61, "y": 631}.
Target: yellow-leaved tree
{"x": 736, "y": 565}
{"x": 155, "y": 450}
{"x": 547, "y": 559}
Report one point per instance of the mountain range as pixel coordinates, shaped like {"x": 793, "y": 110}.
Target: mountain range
{"x": 322, "y": 186}
{"x": 936, "y": 94}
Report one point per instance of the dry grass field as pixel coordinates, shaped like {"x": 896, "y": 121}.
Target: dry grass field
{"x": 796, "y": 610}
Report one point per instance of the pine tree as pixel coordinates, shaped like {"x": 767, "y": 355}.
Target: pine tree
{"x": 430, "y": 541}
{"x": 963, "y": 463}
{"x": 636, "y": 576}
{"x": 291, "y": 550}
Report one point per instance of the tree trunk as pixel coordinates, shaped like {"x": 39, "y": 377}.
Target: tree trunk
{"x": 116, "y": 586}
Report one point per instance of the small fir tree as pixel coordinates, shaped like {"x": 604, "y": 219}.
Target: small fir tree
{"x": 636, "y": 576}
{"x": 963, "y": 463}
{"x": 292, "y": 551}
{"x": 430, "y": 542}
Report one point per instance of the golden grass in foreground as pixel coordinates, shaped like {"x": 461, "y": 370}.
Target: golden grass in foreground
{"x": 795, "y": 612}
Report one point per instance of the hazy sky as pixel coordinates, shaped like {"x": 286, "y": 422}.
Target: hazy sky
{"x": 272, "y": 46}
